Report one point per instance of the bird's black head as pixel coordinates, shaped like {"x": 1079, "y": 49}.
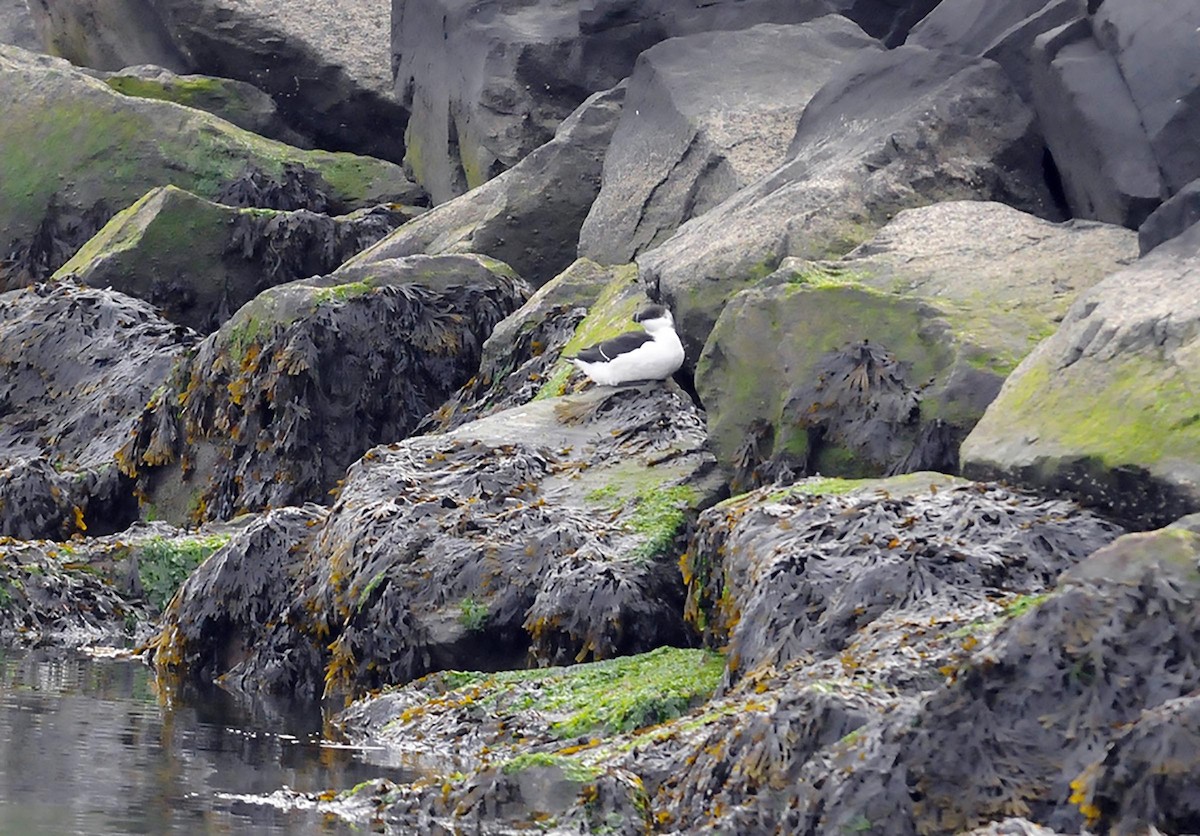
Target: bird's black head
{"x": 650, "y": 312}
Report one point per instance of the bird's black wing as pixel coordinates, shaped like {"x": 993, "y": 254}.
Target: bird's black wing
{"x": 609, "y": 349}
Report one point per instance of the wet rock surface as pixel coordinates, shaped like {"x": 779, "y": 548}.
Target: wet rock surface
{"x": 78, "y": 366}
{"x": 529, "y": 216}
{"x": 893, "y": 352}
{"x": 272, "y": 408}
{"x": 546, "y": 532}
{"x": 1105, "y": 408}
{"x": 200, "y": 261}
{"x": 907, "y": 147}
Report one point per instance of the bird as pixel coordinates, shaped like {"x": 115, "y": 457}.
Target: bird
{"x": 635, "y": 356}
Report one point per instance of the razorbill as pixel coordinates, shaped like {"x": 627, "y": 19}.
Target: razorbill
{"x": 653, "y": 354}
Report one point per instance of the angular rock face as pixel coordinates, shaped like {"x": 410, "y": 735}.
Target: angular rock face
{"x": 883, "y": 361}
{"x": 528, "y": 217}
{"x": 16, "y": 25}
{"x": 1036, "y": 710}
{"x": 200, "y": 261}
{"x": 487, "y": 85}
{"x": 546, "y": 530}
{"x": 272, "y": 408}
{"x": 77, "y": 366}
{"x": 1107, "y": 408}
{"x": 887, "y": 133}
{"x": 804, "y": 574}
{"x": 707, "y": 115}
{"x": 1173, "y": 218}
{"x": 73, "y": 151}
{"x": 325, "y": 62}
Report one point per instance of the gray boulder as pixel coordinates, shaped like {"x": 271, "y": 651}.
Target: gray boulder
{"x": 272, "y": 408}
{"x": 885, "y": 134}
{"x": 77, "y": 366}
{"x": 547, "y": 532}
{"x": 529, "y": 216}
{"x": 16, "y": 25}
{"x": 488, "y": 84}
{"x": 325, "y": 63}
{"x": 882, "y": 361}
{"x": 1107, "y": 407}
{"x": 76, "y": 151}
{"x": 200, "y": 261}
{"x": 707, "y": 115}
{"x": 1173, "y": 218}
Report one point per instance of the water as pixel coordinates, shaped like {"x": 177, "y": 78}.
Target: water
{"x": 90, "y": 746}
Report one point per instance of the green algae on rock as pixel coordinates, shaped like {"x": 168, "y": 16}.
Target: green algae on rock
{"x": 271, "y": 408}
{"x": 947, "y": 297}
{"x": 200, "y": 261}
{"x": 1108, "y": 409}
{"x": 70, "y": 140}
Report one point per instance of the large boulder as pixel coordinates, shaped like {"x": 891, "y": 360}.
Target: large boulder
{"x": 834, "y": 571}
{"x": 528, "y": 217}
{"x": 1118, "y": 93}
{"x": 488, "y": 84}
{"x": 884, "y": 360}
{"x": 547, "y": 531}
{"x": 273, "y": 407}
{"x": 707, "y": 115}
{"x": 77, "y": 366}
{"x": 1108, "y": 408}
{"x": 74, "y": 151}
{"x": 890, "y": 131}
{"x": 1173, "y": 218}
{"x": 16, "y": 25}
{"x": 200, "y": 261}
{"x": 326, "y": 63}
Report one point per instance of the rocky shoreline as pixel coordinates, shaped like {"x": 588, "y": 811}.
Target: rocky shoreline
{"x": 909, "y": 545}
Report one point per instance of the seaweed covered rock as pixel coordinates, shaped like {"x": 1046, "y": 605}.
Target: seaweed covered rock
{"x": 272, "y": 408}
{"x": 877, "y": 575}
{"x": 95, "y": 591}
{"x": 75, "y": 151}
{"x": 326, "y": 63}
{"x": 708, "y": 114}
{"x": 896, "y": 349}
{"x": 77, "y": 366}
{"x": 234, "y": 101}
{"x": 1052, "y": 703}
{"x": 929, "y": 126}
{"x": 1108, "y": 408}
{"x": 546, "y": 531}
{"x": 529, "y": 216}
{"x": 200, "y": 261}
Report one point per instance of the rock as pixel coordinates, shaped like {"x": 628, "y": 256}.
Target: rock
{"x": 883, "y": 579}
{"x": 1013, "y": 827}
{"x": 545, "y": 532}
{"x": 1054, "y": 692}
{"x": 947, "y": 299}
{"x": 234, "y": 101}
{"x": 273, "y": 407}
{"x": 1172, "y": 218}
{"x": 95, "y": 591}
{"x": 1093, "y": 128}
{"x": 523, "y": 358}
{"x": 708, "y": 114}
{"x": 905, "y": 147}
{"x": 75, "y": 151}
{"x": 1003, "y": 32}
{"x": 200, "y": 261}
{"x": 16, "y": 25}
{"x": 1106, "y": 409}
{"x": 325, "y": 63}
{"x": 487, "y": 85}
{"x": 77, "y": 366}
{"x": 529, "y": 216}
